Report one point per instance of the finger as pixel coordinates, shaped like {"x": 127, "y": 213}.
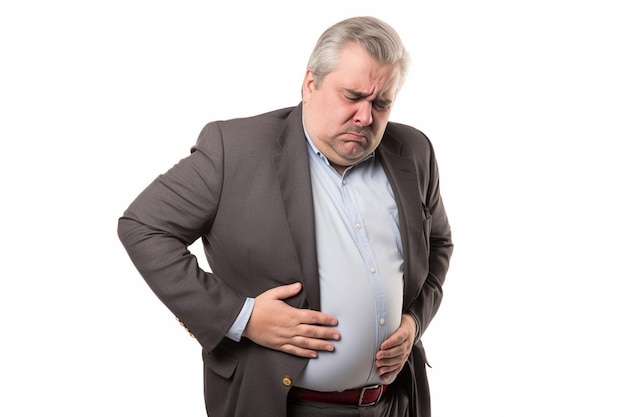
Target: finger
{"x": 317, "y": 317}
{"x": 308, "y": 343}
{"x": 285, "y": 291}
{"x": 298, "y": 351}
{"x": 318, "y": 333}
{"x": 390, "y": 353}
{"x": 389, "y": 362}
{"x": 306, "y": 347}
{"x": 391, "y": 367}
{"x": 395, "y": 340}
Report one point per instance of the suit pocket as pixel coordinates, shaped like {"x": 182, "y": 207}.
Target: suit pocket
{"x": 221, "y": 363}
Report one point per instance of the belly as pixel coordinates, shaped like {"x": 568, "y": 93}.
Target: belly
{"x": 365, "y": 321}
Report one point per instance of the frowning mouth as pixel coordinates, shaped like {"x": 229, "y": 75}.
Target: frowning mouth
{"x": 361, "y": 135}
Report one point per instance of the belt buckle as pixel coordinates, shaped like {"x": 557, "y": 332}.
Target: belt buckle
{"x": 364, "y": 390}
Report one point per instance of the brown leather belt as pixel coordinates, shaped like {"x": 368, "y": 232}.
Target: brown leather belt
{"x": 362, "y": 397}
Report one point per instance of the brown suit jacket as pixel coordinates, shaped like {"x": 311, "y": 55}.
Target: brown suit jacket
{"x": 245, "y": 190}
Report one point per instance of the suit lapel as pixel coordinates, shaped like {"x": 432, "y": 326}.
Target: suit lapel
{"x": 294, "y": 178}
{"x": 402, "y": 176}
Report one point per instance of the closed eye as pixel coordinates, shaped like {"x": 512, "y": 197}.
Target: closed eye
{"x": 382, "y": 104}
{"x": 379, "y": 103}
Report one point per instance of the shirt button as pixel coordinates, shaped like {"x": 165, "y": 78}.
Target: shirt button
{"x": 358, "y": 226}
{"x": 372, "y": 270}
{"x": 344, "y": 181}
{"x": 382, "y": 322}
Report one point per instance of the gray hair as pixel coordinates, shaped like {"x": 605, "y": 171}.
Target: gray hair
{"x": 377, "y": 37}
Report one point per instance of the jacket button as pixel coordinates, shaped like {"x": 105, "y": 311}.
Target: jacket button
{"x": 287, "y": 381}
{"x": 183, "y": 324}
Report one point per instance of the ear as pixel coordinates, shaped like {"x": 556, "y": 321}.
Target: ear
{"x": 308, "y": 85}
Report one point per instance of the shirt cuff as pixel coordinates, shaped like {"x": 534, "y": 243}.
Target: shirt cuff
{"x": 236, "y": 330}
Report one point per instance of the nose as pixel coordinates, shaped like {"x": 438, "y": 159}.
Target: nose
{"x": 363, "y": 115}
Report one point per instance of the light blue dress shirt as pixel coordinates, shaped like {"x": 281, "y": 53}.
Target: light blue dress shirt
{"x": 360, "y": 266}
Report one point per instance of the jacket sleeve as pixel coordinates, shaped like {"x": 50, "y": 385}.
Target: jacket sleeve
{"x": 176, "y": 209}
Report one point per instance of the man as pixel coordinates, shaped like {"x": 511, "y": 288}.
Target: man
{"x": 327, "y": 239}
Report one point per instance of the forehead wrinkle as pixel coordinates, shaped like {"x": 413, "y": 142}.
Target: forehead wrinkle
{"x": 360, "y": 93}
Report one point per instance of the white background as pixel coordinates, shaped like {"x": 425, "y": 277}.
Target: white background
{"x": 525, "y": 102}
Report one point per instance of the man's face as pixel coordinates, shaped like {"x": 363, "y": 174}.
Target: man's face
{"x": 347, "y": 113}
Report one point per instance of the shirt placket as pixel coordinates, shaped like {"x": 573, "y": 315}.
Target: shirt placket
{"x": 356, "y": 224}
